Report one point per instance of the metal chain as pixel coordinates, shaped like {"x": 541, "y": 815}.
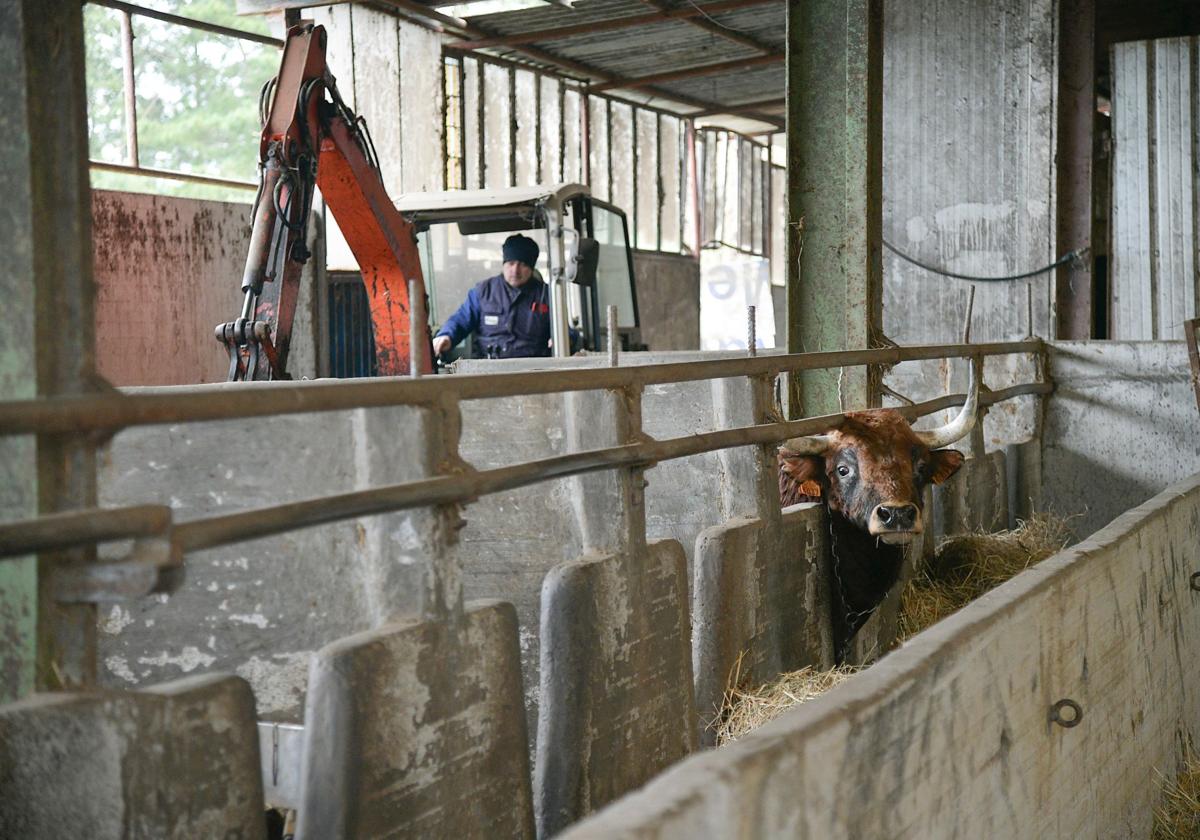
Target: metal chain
{"x": 837, "y": 562}
{"x": 1071, "y": 256}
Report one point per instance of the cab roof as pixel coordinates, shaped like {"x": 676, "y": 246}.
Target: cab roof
{"x": 454, "y": 205}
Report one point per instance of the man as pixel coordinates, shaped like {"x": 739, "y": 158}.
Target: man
{"x": 509, "y": 313}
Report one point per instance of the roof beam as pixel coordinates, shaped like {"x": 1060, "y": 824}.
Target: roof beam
{"x": 705, "y": 22}
{"x": 662, "y": 16}
{"x": 689, "y": 73}
{"x": 776, "y": 102}
{"x": 479, "y": 34}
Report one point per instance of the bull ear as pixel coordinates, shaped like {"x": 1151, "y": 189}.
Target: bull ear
{"x": 945, "y": 463}
{"x": 800, "y": 475}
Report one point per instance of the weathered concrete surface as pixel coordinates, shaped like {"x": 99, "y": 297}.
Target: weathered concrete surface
{"x": 168, "y": 270}
{"x": 973, "y": 499}
{"x": 760, "y": 604}
{"x": 513, "y": 539}
{"x": 260, "y": 608}
{"x": 616, "y": 680}
{"x": 968, "y": 165}
{"x": 1011, "y": 421}
{"x": 668, "y": 297}
{"x": 417, "y": 730}
{"x": 950, "y": 735}
{"x": 18, "y": 364}
{"x": 179, "y": 760}
{"x": 1120, "y": 425}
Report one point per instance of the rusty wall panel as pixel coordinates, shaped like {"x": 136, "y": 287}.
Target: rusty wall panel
{"x": 168, "y": 270}
{"x": 1156, "y": 183}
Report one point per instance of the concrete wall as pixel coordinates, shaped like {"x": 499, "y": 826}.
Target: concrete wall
{"x": 668, "y": 290}
{"x": 1156, "y": 184}
{"x": 951, "y": 735}
{"x": 168, "y": 270}
{"x": 968, "y": 169}
{"x": 1120, "y": 426}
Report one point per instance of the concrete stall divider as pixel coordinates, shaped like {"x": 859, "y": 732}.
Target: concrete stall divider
{"x": 176, "y": 760}
{"x": 965, "y": 713}
{"x": 417, "y": 729}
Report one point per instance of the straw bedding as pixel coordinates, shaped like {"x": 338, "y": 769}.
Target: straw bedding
{"x": 964, "y": 567}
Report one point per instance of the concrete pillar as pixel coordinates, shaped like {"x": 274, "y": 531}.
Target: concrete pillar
{"x": 749, "y": 476}
{"x": 835, "y": 176}
{"x": 48, "y": 342}
{"x": 410, "y": 566}
{"x": 1076, "y": 118}
{"x": 610, "y": 504}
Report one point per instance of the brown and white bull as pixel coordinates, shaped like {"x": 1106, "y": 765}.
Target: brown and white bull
{"x": 871, "y": 473}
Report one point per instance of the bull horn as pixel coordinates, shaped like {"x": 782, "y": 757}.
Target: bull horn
{"x": 961, "y": 425}
{"x": 807, "y": 445}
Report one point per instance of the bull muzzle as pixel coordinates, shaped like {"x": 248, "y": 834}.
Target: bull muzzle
{"x": 895, "y": 523}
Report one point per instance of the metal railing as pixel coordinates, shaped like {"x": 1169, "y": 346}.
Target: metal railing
{"x": 108, "y": 413}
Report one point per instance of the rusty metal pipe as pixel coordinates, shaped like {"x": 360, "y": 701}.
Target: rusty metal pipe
{"x": 462, "y": 488}
{"x": 64, "y": 530}
{"x": 230, "y": 401}
{"x": 99, "y": 525}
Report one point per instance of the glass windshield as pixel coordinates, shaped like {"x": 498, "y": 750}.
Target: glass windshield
{"x": 453, "y": 263}
{"x": 613, "y": 283}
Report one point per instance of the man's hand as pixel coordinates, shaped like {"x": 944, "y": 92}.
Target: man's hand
{"x": 441, "y": 344}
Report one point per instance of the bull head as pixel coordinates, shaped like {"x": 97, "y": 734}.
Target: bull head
{"x": 873, "y": 469}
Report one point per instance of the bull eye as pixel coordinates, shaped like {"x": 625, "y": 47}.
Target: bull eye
{"x": 843, "y": 470}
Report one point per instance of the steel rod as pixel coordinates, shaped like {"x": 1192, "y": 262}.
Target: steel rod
{"x": 166, "y": 17}
{"x": 131, "y": 133}
{"x": 235, "y": 400}
{"x": 57, "y": 531}
{"x": 105, "y": 166}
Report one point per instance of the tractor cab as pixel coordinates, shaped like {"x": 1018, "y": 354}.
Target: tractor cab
{"x": 585, "y": 256}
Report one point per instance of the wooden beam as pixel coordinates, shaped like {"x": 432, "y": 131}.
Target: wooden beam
{"x": 774, "y": 102}
{"x": 688, "y": 73}
{"x": 682, "y": 13}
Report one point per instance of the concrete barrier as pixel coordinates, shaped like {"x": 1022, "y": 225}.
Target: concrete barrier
{"x": 953, "y": 735}
{"x": 616, "y": 681}
{"x": 416, "y": 730}
{"x": 178, "y": 760}
{"x": 261, "y": 608}
{"x": 760, "y": 604}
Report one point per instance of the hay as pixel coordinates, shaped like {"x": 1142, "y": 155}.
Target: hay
{"x": 1177, "y": 816}
{"x": 746, "y": 709}
{"x": 965, "y": 567}
{"x": 969, "y": 565}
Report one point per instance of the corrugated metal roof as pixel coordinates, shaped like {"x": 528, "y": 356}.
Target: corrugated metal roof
{"x": 661, "y": 47}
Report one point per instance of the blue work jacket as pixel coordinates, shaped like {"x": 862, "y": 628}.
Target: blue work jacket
{"x": 507, "y": 322}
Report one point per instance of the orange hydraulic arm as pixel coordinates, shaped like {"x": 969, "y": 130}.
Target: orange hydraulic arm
{"x": 310, "y": 142}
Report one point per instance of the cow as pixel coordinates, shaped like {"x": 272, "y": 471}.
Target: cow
{"x": 871, "y": 473}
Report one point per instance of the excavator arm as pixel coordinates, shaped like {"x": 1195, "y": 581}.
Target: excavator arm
{"x": 313, "y": 142}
